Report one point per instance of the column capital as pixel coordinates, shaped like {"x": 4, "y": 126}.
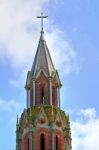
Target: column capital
{"x": 59, "y": 85}
{"x": 27, "y": 87}
{"x": 50, "y": 78}
{"x": 33, "y": 79}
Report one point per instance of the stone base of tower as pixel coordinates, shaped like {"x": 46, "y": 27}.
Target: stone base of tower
{"x": 43, "y": 127}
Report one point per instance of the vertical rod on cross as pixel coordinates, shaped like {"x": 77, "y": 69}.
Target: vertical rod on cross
{"x": 42, "y": 22}
{"x": 42, "y": 17}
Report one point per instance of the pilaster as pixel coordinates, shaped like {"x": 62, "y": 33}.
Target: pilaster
{"x": 50, "y": 85}
{"x": 33, "y": 91}
{"x": 58, "y": 95}
{"x": 30, "y": 140}
{"x": 28, "y": 98}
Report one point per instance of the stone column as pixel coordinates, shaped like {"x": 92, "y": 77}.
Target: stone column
{"x": 53, "y": 140}
{"x": 50, "y": 84}
{"x": 52, "y": 134}
{"x": 33, "y": 92}
{"x": 28, "y": 97}
{"x": 58, "y": 96}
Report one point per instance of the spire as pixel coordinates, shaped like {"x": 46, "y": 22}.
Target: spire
{"x": 42, "y": 59}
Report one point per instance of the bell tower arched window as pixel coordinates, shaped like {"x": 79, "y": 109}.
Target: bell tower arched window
{"x": 56, "y": 142}
{"x": 42, "y": 142}
{"x": 42, "y": 95}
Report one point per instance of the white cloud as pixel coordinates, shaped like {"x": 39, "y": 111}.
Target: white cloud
{"x": 19, "y": 35}
{"x": 9, "y": 105}
{"x": 16, "y": 17}
{"x": 88, "y": 113}
{"x": 14, "y": 83}
{"x": 85, "y": 130}
{"x": 62, "y": 52}
{"x": 8, "y": 116}
{"x": 19, "y": 79}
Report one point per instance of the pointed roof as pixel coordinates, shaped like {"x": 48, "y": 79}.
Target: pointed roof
{"x": 42, "y": 59}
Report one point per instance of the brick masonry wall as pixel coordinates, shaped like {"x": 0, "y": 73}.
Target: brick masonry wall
{"x": 60, "y": 140}
{"x": 25, "y": 142}
{"x": 48, "y": 140}
{"x": 42, "y": 81}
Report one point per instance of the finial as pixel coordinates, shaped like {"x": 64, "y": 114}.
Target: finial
{"x": 17, "y": 120}
{"x": 42, "y": 17}
{"x": 17, "y": 124}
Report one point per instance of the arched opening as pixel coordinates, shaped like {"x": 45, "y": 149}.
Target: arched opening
{"x": 42, "y": 142}
{"x": 42, "y": 95}
{"x": 56, "y": 142}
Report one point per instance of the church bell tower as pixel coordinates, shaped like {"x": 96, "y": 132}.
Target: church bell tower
{"x": 43, "y": 125}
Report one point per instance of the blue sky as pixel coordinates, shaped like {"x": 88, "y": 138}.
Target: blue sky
{"x": 71, "y": 32}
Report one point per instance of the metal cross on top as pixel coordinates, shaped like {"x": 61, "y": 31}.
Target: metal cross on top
{"x": 42, "y": 17}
